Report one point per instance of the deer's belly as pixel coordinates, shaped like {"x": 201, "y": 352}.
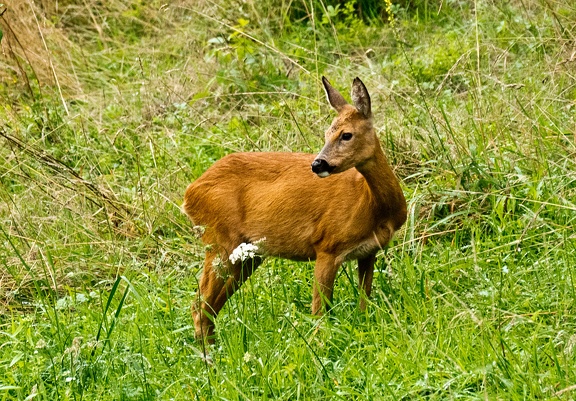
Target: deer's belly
{"x": 363, "y": 250}
{"x": 368, "y": 246}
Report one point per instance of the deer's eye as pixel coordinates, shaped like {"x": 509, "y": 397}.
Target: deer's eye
{"x": 346, "y": 136}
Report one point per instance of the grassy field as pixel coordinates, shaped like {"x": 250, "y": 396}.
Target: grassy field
{"x": 109, "y": 109}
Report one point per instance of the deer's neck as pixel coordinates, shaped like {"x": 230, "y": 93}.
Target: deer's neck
{"x": 385, "y": 193}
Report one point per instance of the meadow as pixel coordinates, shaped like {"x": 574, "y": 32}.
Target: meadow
{"x": 108, "y": 110}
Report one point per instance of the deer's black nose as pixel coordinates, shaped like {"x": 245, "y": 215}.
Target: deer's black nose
{"x": 321, "y": 167}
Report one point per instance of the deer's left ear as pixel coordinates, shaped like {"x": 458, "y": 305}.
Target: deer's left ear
{"x": 334, "y": 97}
{"x": 361, "y": 98}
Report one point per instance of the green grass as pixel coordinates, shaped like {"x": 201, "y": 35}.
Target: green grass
{"x": 475, "y": 106}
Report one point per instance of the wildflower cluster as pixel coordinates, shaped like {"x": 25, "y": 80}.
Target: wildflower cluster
{"x": 243, "y": 252}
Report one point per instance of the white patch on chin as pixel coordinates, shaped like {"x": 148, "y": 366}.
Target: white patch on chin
{"x": 323, "y": 174}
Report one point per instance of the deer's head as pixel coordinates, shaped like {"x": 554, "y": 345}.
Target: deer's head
{"x": 351, "y": 140}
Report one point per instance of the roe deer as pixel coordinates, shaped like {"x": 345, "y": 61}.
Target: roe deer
{"x": 343, "y": 204}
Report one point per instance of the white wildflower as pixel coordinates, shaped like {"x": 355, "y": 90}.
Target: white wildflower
{"x": 243, "y": 252}
{"x": 74, "y": 349}
{"x": 505, "y": 269}
{"x": 81, "y": 298}
{"x": 260, "y": 241}
{"x": 217, "y": 262}
{"x": 198, "y": 231}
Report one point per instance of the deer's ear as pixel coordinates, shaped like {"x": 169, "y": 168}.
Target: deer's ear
{"x": 334, "y": 97}
{"x": 361, "y": 98}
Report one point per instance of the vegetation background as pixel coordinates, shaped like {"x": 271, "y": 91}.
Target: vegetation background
{"x": 109, "y": 109}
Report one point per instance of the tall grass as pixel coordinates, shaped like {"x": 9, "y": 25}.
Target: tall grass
{"x": 109, "y": 110}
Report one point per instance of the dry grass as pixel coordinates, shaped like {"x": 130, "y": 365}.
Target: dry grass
{"x": 34, "y": 51}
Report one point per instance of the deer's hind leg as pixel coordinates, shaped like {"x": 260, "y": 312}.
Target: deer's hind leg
{"x": 205, "y": 307}
{"x": 220, "y": 280}
{"x": 241, "y": 271}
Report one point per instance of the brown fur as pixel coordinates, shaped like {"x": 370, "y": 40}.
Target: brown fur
{"x": 276, "y": 199}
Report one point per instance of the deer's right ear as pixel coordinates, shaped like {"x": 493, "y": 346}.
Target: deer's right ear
{"x": 361, "y": 98}
{"x": 334, "y": 97}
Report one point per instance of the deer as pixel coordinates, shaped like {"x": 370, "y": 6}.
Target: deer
{"x": 343, "y": 204}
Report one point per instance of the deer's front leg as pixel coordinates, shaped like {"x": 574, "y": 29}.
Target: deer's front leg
{"x": 365, "y": 274}
{"x": 324, "y": 275}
